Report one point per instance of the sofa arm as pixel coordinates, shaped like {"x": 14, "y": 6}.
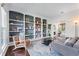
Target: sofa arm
{"x": 65, "y": 50}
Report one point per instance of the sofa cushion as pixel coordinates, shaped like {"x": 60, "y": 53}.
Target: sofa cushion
{"x": 59, "y": 40}
{"x": 65, "y": 50}
{"x": 76, "y": 45}
{"x": 70, "y": 42}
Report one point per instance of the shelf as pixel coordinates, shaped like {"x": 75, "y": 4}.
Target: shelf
{"x": 28, "y": 29}
{"x": 29, "y": 22}
{"x": 38, "y": 23}
{"x": 26, "y": 35}
{"x": 29, "y": 35}
{"x": 13, "y": 31}
{"x": 15, "y": 24}
{"x": 16, "y": 20}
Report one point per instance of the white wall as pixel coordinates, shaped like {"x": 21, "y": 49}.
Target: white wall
{"x": 70, "y": 25}
{"x": 6, "y": 23}
{"x": 70, "y": 29}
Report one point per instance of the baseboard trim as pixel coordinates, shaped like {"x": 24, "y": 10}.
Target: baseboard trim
{"x": 4, "y": 50}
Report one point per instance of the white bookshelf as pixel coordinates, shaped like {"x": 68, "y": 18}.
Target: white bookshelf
{"x": 29, "y": 27}
{"x": 18, "y": 22}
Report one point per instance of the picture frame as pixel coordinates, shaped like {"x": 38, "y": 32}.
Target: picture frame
{"x": 61, "y": 27}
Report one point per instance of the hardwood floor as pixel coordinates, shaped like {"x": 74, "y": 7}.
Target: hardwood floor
{"x": 17, "y": 52}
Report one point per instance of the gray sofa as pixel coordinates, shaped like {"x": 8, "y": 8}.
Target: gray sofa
{"x": 60, "y": 46}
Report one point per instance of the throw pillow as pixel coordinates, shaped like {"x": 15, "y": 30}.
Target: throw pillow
{"x": 70, "y": 42}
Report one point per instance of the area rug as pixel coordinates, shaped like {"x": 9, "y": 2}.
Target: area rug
{"x": 39, "y": 49}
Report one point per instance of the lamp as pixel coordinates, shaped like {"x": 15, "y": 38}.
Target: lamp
{"x": 76, "y": 20}
{"x": 76, "y": 28}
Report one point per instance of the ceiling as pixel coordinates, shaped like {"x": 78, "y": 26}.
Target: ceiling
{"x": 48, "y": 10}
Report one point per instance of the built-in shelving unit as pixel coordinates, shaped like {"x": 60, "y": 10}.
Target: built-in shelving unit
{"x": 44, "y": 27}
{"x": 29, "y": 27}
{"x": 49, "y": 29}
{"x": 16, "y": 24}
{"x": 37, "y": 27}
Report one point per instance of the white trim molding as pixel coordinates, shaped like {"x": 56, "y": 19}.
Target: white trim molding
{"x": 4, "y": 50}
